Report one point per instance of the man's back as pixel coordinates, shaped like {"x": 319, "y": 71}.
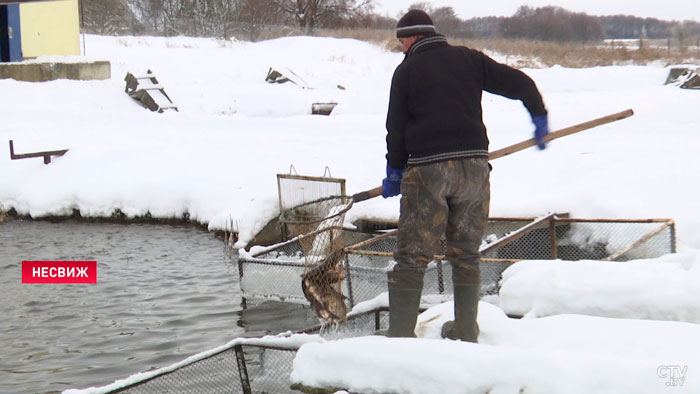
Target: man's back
{"x": 435, "y": 101}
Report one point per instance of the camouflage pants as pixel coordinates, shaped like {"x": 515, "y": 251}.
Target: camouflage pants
{"x": 449, "y": 198}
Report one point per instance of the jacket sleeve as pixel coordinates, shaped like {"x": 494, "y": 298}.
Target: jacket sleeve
{"x": 512, "y": 83}
{"x": 396, "y": 122}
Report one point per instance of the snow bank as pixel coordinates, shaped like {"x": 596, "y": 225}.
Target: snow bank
{"x": 561, "y": 354}
{"x": 667, "y": 288}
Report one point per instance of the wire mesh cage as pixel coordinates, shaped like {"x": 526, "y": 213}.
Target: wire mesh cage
{"x": 560, "y": 237}
{"x": 276, "y": 271}
{"x": 247, "y": 365}
{"x": 251, "y": 367}
{"x": 369, "y": 262}
{"x": 244, "y": 368}
{"x": 217, "y": 374}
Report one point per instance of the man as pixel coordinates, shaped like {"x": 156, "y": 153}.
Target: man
{"x": 438, "y": 161}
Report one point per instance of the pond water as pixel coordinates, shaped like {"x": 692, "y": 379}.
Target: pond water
{"x": 163, "y": 293}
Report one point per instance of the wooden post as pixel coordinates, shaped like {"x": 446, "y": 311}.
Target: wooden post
{"x": 553, "y": 239}
{"x": 45, "y": 154}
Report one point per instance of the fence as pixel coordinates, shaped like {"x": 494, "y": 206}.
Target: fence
{"x": 257, "y": 365}
{"x": 276, "y": 272}
{"x": 246, "y": 365}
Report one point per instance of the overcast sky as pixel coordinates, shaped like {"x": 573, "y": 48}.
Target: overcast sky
{"x": 465, "y": 9}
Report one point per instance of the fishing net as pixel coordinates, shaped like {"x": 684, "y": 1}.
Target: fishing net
{"x": 319, "y": 227}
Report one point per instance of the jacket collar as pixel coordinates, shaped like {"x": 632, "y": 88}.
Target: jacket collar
{"x": 426, "y": 43}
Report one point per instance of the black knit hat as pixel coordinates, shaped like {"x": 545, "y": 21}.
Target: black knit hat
{"x": 414, "y": 23}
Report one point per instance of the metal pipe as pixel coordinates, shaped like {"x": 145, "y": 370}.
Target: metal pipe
{"x": 673, "y": 236}
{"x": 242, "y": 370}
{"x": 348, "y": 278}
{"x": 573, "y": 220}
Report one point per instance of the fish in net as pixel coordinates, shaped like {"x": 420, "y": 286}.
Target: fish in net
{"x": 319, "y": 227}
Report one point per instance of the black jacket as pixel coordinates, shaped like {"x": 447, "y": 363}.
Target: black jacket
{"x": 435, "y": 102}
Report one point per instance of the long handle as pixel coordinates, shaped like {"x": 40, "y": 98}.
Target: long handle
{"x": 377, "y": 191}
{"x": 561, "y": 133}
{"x": 367, "y": 194}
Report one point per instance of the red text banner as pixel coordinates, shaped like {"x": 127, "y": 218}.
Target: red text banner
{"x": 59, "y": 272}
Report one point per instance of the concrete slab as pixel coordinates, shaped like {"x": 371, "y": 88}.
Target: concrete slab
{"x": 49, "y": 71}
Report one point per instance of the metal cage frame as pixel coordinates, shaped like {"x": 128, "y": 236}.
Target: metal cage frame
{"x": 513, "y": 237}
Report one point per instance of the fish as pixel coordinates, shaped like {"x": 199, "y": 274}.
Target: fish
{"x": 323, "y": 252}
{"x": 319, "y": 287}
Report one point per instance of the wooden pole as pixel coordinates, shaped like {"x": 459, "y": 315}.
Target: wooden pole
{"x": 377, "y": 191}
{"x": 561, "y": 133}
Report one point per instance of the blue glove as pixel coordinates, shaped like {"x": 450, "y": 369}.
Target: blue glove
{"x": 541, "y": 129}
{"x": 391, "y": 185}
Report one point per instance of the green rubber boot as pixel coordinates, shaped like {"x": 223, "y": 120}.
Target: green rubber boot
{"x": 464, "y": 327}
{"x": 404, "y": 300}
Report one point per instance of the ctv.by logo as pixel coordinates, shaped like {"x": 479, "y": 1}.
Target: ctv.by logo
{"x": 674, "y": 373}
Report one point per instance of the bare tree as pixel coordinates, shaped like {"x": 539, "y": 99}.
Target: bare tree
{"x": 187, "y": 17}
{"x": 108, "y": 17}
{"x": 253, "y": 15}
{"x": 382, "y": 22}
{"x": 375, "y": 21}
{"x": 552, "y": 24}
{"x": 309, "y": 13}
{"x": 490, "y": 26}
{"x": 163, "y": 16}
{"x": 421, "y": 5}
{"x": 446, "y": 21}
{"x": 681, "y": 33}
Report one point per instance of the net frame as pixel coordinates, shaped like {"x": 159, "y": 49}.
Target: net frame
{"x": 294, "y": 190}
{"x": 315, "y": 215}
{"x": 318, "y": 225}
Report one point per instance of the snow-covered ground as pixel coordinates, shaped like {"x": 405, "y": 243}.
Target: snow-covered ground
{"x": 667, "y": 288}
{"x": 218, "y": 156}
{"x": 558, "y": 354}
{"x": 216, "y": 159}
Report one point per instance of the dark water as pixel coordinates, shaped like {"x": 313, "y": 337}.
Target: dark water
{"x": 163, "y": 293}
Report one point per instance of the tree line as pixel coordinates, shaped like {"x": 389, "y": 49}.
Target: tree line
{"x": 247, "y": 18}
{"x": 218, "y": 18}
{"x": 557, "y": 24}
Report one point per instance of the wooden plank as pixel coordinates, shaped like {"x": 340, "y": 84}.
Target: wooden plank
{"x": 517, "y": 234}
{"x": 640, "y": 241}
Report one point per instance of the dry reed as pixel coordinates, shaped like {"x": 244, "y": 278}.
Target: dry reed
{"x": 539, "y": 54}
